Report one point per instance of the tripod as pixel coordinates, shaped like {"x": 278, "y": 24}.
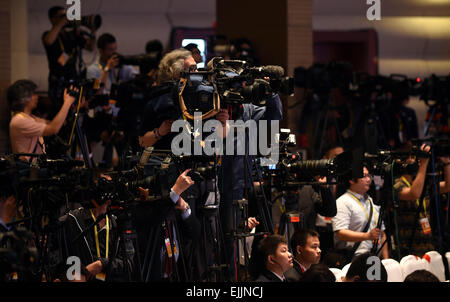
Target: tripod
{"x": 319, "y": 130}
{"x": 388, "y": 198}
{"x": 240, "y": 215}
{"x": 161, "y": 236}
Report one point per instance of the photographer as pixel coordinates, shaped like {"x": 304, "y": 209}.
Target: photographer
{"x": 98, "y": 249}
{"x": 162, "y": 215}
{"x": 62, "y": 44}
{"x": 231, "y": 174}
{"x": 163, "y": 108}
{"x": 26, "y": 130}
{"x": 409, "y": 190}
{"x": 355, "y": 224}
{"x": 108, "y": 69}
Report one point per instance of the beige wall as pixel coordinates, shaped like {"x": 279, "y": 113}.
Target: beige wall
{"x": 414, "y": 35}
{"x": 19, "y": 47}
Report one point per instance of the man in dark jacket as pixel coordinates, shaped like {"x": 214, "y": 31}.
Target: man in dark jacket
{"x": 271, "y": 260}
{"x": 306, "y": 249}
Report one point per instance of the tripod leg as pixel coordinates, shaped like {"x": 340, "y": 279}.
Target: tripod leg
{"x": 154, "y": 242}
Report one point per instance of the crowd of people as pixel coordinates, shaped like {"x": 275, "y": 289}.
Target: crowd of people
{"x": 175, "y": 237}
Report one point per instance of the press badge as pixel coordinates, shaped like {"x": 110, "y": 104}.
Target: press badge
{"x": 63, "y": 58}
{"x": 425, "y": 225}
{"x": 168, "y": 247}
{"x": 101, "y": 276}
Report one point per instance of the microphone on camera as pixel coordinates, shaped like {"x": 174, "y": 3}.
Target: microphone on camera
{"x": 145, "y": 156}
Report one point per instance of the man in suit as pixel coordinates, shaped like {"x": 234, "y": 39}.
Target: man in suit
{"x": 272, "y": 260}
{"x": 306, "y": 249}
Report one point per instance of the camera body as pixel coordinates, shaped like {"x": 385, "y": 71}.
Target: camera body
{"x": 234, "y": 83}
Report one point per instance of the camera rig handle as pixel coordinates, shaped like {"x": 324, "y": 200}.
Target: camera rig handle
{"x": 184, "y": 110}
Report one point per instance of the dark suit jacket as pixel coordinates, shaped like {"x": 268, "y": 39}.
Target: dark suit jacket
{"x": 295, "y": 273}
{"x": 267, "y": 276}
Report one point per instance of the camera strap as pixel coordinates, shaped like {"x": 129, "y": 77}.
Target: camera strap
{"x": 216, "y": 102}
{"x": 369, "y": 219}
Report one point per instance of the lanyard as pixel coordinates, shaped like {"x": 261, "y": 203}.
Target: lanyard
{"x": 417, "y": 200}
{"x": 62, "y": 47}
{"x": 360, "y": 204}
{"x": 97, "y": 245}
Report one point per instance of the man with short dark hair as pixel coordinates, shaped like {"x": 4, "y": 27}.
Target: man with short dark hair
{"x": 355, "y": 224}
{"x": 361, "y": 269}
{"x": 271, "y": 260}
{"x": 421, "y": 275}
{"x": 193, "y": 48}
{"x": 62, "y": 44}
{"x": 107, "y": 69}
{"x": 305, "y": 246}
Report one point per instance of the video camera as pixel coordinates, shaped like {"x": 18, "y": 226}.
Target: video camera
{"x": 93, "y": 22}
{"x": 322, "y": 78}
{"x": 383, "y": 160}
{"x": 150, "y": 60}
{"x": 230, "y": 82}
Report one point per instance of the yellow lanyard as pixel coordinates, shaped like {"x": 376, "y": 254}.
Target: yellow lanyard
{"x": 97, "y": 245}
{"x": 362, "y": 207}
{"x": 417, "y": 200}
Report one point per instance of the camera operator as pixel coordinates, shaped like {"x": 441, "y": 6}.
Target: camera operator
{"x": 355, "y": 224}
{"x": 107, "y": 69}
{"x": 162, "y": 110}
{"x": 150, "y": 216}
{"x": 26, "y": 130}
{"x": 231, "y": 174}
{"x": 98, "y": 246}
{"x": 409, "y": 190}
{"x": 62, "y": 44}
